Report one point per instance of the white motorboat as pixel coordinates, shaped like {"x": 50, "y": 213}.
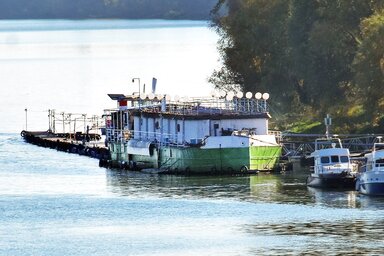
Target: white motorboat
{"x": 370, "y": 180}
{"x": 332, "y": 165}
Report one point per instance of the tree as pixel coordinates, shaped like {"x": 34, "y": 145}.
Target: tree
{"x": 252, "y": 46}
{"x": 311, "y": 55}
{"x": 369, "y": 66}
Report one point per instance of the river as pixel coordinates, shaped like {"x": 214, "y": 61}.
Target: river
{"x": 54, "y": 203}
{"x": 71, "y": 66}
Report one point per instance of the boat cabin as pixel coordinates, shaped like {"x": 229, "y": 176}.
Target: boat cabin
{"x": 187, "y": 122}
{"x": 375, "y": 159}
{"x": 329, "y": 155}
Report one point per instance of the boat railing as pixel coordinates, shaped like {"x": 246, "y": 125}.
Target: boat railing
{"x": 200, "y": 106}
{"x": 324, "y": 143}
{"x": 278, "y": 135}
{"x": 159, "y": 139}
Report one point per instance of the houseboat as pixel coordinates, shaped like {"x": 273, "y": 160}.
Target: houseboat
{"x": 332, "y": 165}
{"x": 226, "y": 134}
{"x": 370, "y": 180}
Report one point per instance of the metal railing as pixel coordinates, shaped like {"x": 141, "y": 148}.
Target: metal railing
{"x": 160, "y": 139}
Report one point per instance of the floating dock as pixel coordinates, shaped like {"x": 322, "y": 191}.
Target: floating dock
{"x": 78, "y": 143}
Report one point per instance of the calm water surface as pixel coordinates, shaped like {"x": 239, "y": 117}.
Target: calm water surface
{"x": 71, "y": 66}
{"x": 54, "y": 203}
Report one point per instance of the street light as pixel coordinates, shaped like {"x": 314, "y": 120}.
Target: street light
{"x": 133, "y": 80}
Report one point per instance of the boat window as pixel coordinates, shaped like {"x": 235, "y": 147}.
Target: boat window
{"x": 379, "y": 162}
{"x": 335, "y": 159}
{"x": 324, "y": 160}
{"x": 344, "y": 159}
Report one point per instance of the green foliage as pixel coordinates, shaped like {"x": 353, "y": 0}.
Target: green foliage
{"x": 369, "y": 66}
{"x": 314, "y": 57}
{"x": 307, "y": 127}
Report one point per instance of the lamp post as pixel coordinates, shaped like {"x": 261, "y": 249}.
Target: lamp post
{"x": 133, "y": 80}
{"x": 26, "y": 119}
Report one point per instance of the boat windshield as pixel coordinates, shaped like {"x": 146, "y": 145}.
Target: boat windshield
{"x": 334, "y": 159}
{"x": 325, "y": 160}
{"x": 380, "y": 162}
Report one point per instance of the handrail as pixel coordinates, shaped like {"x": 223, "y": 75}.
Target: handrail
{"x": 201, "y": 106}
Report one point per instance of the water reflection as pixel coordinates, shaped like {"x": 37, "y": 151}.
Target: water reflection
{"x": 287, "y": 187}
{"x": 143, "y": 185}
{"x": 335, "y": 198}
{"x": 282, "y": 188}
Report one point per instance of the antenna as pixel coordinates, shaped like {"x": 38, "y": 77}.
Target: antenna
{"x": 328, "y": 123}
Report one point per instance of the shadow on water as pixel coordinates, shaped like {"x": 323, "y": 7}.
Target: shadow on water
{"x": 283, "y": 188}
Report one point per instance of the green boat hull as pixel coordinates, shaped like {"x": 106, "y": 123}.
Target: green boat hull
{"x": 196, "y": 160}
{"x": 220, "y": 161}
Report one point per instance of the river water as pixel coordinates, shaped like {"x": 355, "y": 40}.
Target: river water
{"x": 71, "y": 66}
{"x": 54, "y": 203}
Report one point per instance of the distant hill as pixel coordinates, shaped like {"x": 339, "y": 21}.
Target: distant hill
{"x": 106, "y": 9}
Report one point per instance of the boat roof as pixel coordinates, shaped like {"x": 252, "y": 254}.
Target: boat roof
{"x": 330, "y": 152}
{"x": 328, "y": 147}
{"x": 330, "y": 142}
{"x": 120, "y": 96}
{"x": 194, "y": 108}
{"x": 377, "y": 151}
